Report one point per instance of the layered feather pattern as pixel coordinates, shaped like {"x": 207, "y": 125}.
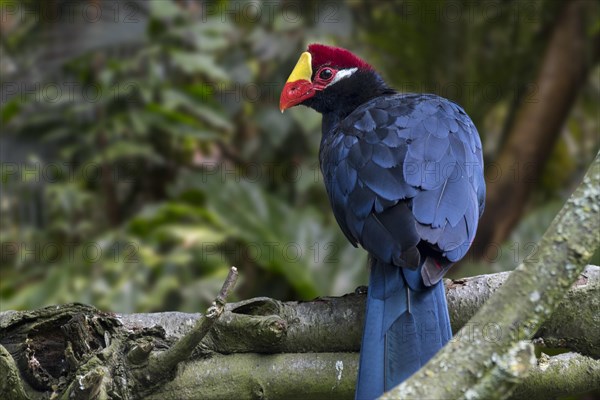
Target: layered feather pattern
{"x": 400, "y": 154}
{"x": 404, "y": 175}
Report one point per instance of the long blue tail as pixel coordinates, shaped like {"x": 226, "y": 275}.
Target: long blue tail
{"x": 406, "y": 323}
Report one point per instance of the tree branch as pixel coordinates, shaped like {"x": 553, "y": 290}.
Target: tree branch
{"x": 330, "y": 376}
{"x": 530, "y": 295}
{"x": 573, "y": 325}
{"x": 291, "y": 376}
{"x": 330, "y": 327}
{"x": 508, "y": 370}
{"x": 264, "y": 325}
{"x": 561, "y": 375}
{"x": 254, "y": 376}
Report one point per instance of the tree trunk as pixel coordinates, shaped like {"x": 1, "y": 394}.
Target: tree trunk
{"x": 536, "y": 128}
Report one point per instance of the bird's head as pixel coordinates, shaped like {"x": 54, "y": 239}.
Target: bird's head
{"x": 329, "y": 79}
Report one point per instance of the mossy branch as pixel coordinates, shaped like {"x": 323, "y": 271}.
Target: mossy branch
{"x": 564, "y": 374}
{"x": 334, "y": 324}
{"x": 530, "y": 296}
{"x": 11, "y": 385}
{"x": 329, "y": 327}
{"x": 314, "y": 376}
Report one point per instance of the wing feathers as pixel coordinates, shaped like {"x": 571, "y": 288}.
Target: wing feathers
{"x": 403, "y": 169}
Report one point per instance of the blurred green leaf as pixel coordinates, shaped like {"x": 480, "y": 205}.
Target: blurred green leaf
{"x": 191, "y": 63}
{"x": 164, "y": 9}
{"x": 9, "y": 110}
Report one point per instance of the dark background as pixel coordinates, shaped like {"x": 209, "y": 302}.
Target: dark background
{"x": 143, "y": 151}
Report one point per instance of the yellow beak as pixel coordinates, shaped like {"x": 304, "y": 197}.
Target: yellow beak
{"x": 303, "y": 68}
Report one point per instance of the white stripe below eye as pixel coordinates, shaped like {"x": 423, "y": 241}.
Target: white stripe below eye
{"x": 342, "y": 74}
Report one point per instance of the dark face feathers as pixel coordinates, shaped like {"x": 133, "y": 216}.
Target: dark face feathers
{"x": 346, "y": 95}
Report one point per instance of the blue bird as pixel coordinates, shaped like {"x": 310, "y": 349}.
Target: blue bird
{"x": 404, "y": 176}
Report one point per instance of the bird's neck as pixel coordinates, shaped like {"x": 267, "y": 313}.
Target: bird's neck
{"x": 347, "y": 96}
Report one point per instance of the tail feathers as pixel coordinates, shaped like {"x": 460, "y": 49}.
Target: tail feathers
{"x": 404, "y": 328}
{"x": 402, "y": 351}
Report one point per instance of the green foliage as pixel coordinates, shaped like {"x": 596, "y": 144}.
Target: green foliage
{"x": 168, "y": 161}
{"x": 136, "y": 215}
{"x": 265, "y": 231}
{"x": 114, "y": 152}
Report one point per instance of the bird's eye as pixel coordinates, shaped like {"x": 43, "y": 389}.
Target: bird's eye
{"x": 326, "y": 74}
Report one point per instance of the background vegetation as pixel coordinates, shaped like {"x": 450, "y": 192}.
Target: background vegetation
{"x": 143, "y": 151}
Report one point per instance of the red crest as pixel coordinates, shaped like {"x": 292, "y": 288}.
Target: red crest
{"x": 335, "y": 56}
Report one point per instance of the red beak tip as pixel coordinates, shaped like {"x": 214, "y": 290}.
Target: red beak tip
{"x": 294, "y": 93}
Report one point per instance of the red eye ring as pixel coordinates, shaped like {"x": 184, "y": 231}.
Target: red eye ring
{"x": 325, "y": 74}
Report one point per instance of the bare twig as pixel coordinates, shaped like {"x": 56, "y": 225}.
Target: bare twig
{"x": 163, "y": 363}
{"x": 228, "y": 286}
